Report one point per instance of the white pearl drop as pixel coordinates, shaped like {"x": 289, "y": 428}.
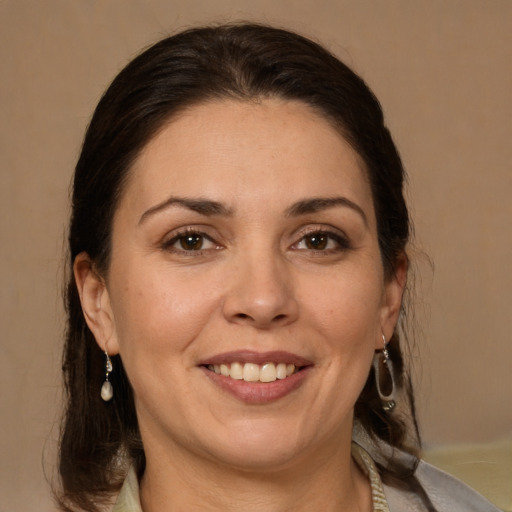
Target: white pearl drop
{"x": 107, "y": 392}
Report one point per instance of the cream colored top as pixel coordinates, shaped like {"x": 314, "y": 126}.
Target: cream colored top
{"x": 129, "y": 501}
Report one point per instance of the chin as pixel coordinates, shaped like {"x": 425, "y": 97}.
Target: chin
{"x": 254, "y": 459}
{"x": 259, "y": 446}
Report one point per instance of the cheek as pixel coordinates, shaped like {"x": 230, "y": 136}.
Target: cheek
{"x": 161, "y": 316}
{"x": 345, "y": 320}
{"x": 347, "y": 308}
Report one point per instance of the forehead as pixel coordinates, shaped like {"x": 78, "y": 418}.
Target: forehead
{"x": 270, "y": 147}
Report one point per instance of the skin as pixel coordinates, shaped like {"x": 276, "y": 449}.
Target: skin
{"x": 256, "y": 283}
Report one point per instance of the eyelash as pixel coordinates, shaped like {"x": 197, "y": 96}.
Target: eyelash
{"x": 180, "y": 236}
{"x": 341, "y": 241}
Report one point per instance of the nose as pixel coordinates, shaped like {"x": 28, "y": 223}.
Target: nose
{"x": 261, "y": 293}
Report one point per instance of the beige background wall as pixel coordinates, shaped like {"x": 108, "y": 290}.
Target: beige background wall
{"x": 442, "y": 72}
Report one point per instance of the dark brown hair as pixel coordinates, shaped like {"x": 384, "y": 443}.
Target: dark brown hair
{"x": 242, "y": 62}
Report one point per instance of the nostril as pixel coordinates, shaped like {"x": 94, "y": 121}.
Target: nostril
{"x": 244, "y": 316}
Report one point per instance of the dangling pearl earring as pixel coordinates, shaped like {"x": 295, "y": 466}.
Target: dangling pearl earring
{"x": 107, "y": 392}
{"x": 382, "y": 358}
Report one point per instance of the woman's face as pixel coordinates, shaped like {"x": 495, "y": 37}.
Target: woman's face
{"x": 245, "y": 243}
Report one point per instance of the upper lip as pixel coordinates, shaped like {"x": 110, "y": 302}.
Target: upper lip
{"x": 250, "y": 356}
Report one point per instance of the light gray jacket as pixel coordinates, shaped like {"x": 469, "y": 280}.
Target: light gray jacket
{"x": 446, "y": 493}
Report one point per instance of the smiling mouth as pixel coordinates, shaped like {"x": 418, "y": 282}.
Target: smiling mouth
{"x": 252, "y": 372}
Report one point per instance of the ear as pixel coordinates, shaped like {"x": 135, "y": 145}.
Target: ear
{"x": 95, "y": 301}
{"x": 392, "y": 299}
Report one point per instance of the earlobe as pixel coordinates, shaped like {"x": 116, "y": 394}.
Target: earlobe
{"x": 95, "y": 301}
{"x": 393, "y": 293}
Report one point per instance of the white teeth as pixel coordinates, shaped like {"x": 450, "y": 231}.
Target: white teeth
{"x": 251, "y": 372}
{"x": 236, "y": 371}
{"x": 281, "y": 371}
{"x": 268, "y": 373}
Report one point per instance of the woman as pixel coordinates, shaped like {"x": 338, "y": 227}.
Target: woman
{"x": 238, "y": 251}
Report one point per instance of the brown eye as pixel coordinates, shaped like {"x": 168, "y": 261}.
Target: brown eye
{"x": 191, "y": 242}
{"x": 317, "y": 241}
{"x": 323, "y": 242}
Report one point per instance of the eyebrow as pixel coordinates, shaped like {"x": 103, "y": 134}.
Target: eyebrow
{"x": 317, "y": 204}
{"x": 200, "y": 205}
{"x": 210, "y": 208}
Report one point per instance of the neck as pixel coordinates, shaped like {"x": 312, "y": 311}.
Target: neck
{"x": 328, "y": 480}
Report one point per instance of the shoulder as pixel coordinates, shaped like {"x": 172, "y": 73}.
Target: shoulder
{"x": 446, "y": 493}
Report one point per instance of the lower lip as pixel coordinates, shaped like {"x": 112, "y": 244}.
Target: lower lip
{"x": 258, "y": 392}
